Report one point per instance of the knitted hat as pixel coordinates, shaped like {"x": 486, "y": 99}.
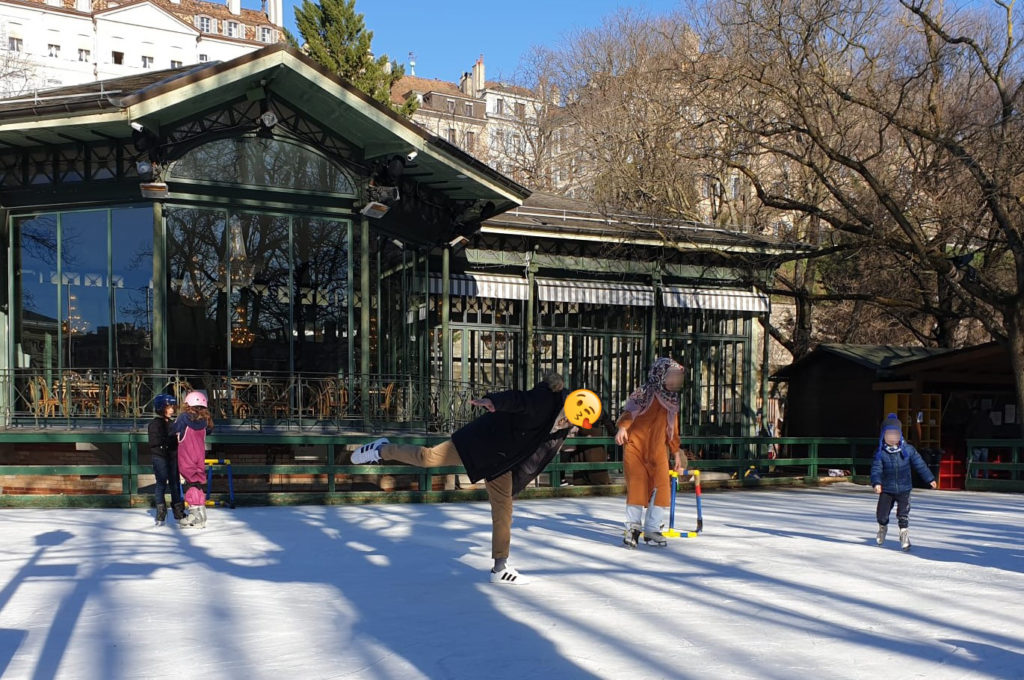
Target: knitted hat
{"x": 892, "y": 423}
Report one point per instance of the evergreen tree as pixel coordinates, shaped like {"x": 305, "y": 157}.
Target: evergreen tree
{"x": 335, "y": 36}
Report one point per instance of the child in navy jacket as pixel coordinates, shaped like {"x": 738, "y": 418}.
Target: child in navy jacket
{"x": 891, "y": 478}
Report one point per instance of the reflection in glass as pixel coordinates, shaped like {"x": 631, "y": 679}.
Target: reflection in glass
{"x": 132, "y": 286}
{"x": 272, "y": 163}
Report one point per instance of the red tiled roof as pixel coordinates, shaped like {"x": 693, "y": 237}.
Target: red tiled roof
{"x": 406, "y": 84}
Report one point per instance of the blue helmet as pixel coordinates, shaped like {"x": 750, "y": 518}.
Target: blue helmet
{"x": 162, "y": 401}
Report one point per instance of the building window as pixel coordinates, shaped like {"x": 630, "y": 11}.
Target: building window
{"x": 84, "y": 55}
{"x": 735, "y": 188}
{"x": 147, "y": 62}
{"x": 451, "y": 106}
{"x": 205, "y": 24}
{"x": 266, "y": 34}
{"x": 468, "y": 109}
{"x": 53, "y": 50}
{"x": 117, "y": 58}
{"x": 15, "y": 44}
{"x": 231, "y": 29}
{"x": 499, "y": 106}
{"x": 520, "y": 110}
{"x": 451, "y": 135}
{"x": 470, "y": 140}
{"x": 203, "y": 58}
{"x": 175, "y": 63}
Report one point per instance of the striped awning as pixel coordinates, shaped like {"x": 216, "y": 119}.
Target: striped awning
{"x": 596, "y": 292}
{"x": 483, "y": 285}
{"x": 715, "y": 299}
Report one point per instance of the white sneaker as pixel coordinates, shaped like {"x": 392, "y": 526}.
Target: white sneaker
{"x": 369, "y": 453}
{"x": 509, "y": 576}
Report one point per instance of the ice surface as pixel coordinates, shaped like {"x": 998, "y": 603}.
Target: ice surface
{"x": 782, "y": 584}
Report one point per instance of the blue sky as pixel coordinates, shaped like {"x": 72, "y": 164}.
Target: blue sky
{"x": 448, "y": 35}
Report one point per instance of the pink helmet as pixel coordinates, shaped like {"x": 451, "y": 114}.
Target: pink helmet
{"x": 196, "y": 398}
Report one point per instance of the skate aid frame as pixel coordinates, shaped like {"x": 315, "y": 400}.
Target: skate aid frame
{"x": 672, "y": 532}
{"x": 225, "y": 462}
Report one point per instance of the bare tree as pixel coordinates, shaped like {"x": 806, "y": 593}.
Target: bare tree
{"x": 902, "y": 122}
{"x": 17, "y": 73}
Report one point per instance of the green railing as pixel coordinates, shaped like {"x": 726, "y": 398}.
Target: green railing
{"x": 287, "y": 468}
{"x": 1007, "y": 475}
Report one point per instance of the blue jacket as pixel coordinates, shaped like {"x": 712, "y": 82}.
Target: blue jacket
{"x": 892, "y": 470}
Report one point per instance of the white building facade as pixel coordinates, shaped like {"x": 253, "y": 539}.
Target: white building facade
{"x": 53, "y": 43}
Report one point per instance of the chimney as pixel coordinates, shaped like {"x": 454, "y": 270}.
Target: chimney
{"x": 235, "y": 7}
{"x": 466, "y": 84}
{"x": 479, "y": 81}
{"x": 275, "y": 12}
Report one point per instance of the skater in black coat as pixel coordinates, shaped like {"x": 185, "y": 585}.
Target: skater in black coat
{"x": 508, "y": 446}
{"x": 163, "y": 450}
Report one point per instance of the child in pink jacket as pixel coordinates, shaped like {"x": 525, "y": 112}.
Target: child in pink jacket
{"x": 191, "y": 428}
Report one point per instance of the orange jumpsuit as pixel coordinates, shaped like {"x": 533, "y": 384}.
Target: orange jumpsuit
{"x": 645, "y": 460}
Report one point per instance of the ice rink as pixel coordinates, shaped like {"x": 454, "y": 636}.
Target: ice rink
{"x": 781, "y": 584}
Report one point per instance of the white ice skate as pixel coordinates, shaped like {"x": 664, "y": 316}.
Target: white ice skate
{"x": 880, "y": 538}
{"x": 509, "y": 576}
{"x": 905, "y": 540}
{"x": 369, "y": 453}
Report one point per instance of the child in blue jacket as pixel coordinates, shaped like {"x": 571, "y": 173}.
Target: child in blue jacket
{"x": 891, "y": 478}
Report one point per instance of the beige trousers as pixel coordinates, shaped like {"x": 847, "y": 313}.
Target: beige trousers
{"x": 499, "y": 491}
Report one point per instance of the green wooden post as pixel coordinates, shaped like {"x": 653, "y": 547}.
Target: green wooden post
{"x": 364, "y": 315}
{"x": 331, "y": 483}
{"x": 531, "y": 360}
{"x": 812, "y": 469}
{"x": 446, "y": 326}
{"x": 161, "y": 284}
{"x": 129, "y": 481}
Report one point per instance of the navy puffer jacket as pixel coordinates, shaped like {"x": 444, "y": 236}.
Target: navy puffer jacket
{"x": 891, "y": 469}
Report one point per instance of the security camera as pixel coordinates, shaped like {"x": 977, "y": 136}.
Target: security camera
{"x": 137, "y": 126}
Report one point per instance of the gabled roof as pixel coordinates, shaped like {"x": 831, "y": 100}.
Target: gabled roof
{"x": 407, "y": 85}
{"x": 103, "y": 111}
{"x": 562, "y": 217}
{"x": 875, "y": 357}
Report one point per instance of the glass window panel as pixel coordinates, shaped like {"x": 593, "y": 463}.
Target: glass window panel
{"x": 320, "y": 281}
{"x": 132, "y": 286}
{"x": 259, "y": 275}
{"x": 262, "y": 162}
{"x": 37, "y": 326}
{"x": 85, "y": 298}
{"x": 197, "y": 304}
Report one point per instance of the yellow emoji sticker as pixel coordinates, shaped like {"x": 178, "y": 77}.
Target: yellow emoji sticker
{"x": 583, "y": 408}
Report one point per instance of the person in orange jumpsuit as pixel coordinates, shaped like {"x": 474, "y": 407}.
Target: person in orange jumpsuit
{"x": 648, "y": 430}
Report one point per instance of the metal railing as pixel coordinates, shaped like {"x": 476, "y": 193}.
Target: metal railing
{"x": 62, "y": 468}
{"x": 103, "y": 399}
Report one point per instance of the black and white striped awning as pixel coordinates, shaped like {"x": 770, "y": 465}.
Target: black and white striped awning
{"x": 483, "y": 285}
{"x": 715, "y": 299}
{"x": 596, "y": 292}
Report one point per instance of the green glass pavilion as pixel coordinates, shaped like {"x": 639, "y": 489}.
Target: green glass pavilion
{"x": 261, "y": 230}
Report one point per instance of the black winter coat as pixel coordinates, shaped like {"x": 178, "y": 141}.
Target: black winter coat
{"x": 162, "y": 441}
{"x": 516, "y": 437}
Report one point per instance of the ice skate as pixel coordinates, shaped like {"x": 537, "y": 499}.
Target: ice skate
{"x": 880, "y": 537}
{"x": 904, "y": 540}
{"x": 179, "y": 510}
{"x": 368, "y": 453}
{"x": 509, "y": 576}
{"x": 655, "y": 539}
{"x": 161, "y": 514}
{"x": 196, "y": 518}
{"x": 631, "y": 536}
